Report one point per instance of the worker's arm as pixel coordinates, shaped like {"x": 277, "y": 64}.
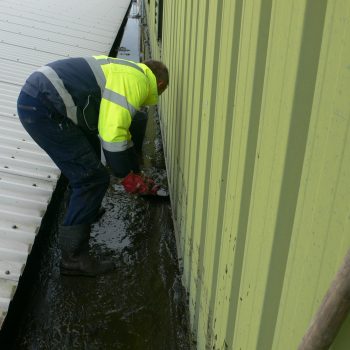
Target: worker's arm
{"x": 118, "y": 106}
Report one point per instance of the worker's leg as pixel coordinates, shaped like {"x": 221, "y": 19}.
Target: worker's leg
{"x": 71, "y": 151}
{"x": 68, "y": 147}
{"x": 95, "y": 143}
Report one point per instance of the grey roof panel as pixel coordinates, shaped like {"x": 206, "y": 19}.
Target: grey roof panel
{"x": 33, "y": 33}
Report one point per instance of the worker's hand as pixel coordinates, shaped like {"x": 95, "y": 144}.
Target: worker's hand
{"x": 139, "y": 184}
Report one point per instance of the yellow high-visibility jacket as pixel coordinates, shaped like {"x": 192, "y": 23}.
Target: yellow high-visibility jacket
{"x": 100, "y": 94}
{"x": 127, "y": 87}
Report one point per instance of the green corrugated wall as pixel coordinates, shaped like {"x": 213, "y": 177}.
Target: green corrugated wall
{"x": 256, "y": 130}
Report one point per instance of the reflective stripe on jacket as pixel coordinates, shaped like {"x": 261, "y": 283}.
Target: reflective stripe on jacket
{"x": 98, "y": 93}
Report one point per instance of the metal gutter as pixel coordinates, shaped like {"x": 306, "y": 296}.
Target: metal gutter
{"x": 33, "y": 33}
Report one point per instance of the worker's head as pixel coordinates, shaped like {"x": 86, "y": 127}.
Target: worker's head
{"x": 161, "y": 73}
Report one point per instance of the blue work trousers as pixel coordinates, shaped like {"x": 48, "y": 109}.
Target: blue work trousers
{"x": 76, "y": 154}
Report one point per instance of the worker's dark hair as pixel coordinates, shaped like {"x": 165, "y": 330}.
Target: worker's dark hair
{"x": 159, "y": 69}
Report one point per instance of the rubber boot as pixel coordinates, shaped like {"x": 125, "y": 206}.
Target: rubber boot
{"x": 75, "y": 260}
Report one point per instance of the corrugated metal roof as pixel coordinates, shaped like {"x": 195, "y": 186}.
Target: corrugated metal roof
{"x": 33, "y": 33}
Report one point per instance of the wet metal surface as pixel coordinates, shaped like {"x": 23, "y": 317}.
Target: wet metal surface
{"x": 130, "y": 45}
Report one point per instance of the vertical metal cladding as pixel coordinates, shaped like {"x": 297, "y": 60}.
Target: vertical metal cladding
{"x": 256, "y": 126}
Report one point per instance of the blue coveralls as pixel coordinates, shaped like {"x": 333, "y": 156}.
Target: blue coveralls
{"x": 75, "y": 149}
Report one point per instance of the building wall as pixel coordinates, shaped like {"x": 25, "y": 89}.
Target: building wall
{"x": 256, "y": 129}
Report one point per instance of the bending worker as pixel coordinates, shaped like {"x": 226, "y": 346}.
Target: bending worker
{"x": 65, "y": 106}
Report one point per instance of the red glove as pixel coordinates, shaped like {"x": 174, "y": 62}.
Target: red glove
{"x": 140, "y": 184}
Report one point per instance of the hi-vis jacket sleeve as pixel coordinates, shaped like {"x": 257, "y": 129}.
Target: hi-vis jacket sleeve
{"x": 127, "y": 89}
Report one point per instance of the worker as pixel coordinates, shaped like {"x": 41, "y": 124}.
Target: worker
{"x": 71, "y": 106}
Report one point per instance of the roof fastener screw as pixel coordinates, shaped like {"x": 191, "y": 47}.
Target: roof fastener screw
{"x": 6, "y": 167}
{"x": 7, "y": 272}
{"x": 34, "y": 185}
{"x": 14, "y": 226}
